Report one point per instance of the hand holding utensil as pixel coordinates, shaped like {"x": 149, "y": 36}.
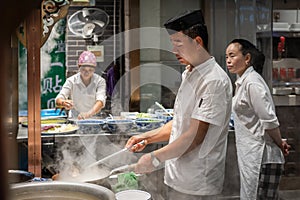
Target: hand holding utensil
{"x": 112, "y": 155}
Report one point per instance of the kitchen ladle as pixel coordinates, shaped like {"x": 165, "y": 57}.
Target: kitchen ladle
{"x": 112, "y": 155}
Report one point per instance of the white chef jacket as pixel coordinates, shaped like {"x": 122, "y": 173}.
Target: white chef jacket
{"x": 205, "y": 94}
{"x": 84, "y": 97}
{"x": 254, "y": 112}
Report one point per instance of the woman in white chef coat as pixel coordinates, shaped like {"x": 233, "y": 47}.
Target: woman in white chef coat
{"x": 260, "y": 148}
{"x": 84, "y": 93}
{"x": 194, "y": 159}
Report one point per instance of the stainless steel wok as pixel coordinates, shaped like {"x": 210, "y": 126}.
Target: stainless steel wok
{"x": 96, "y": 175}
{"x": 57, "y": 190}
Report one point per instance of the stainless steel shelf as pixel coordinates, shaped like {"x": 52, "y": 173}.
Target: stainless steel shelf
{"x": 285, "y": 84}
{"x": 288, "y": 34}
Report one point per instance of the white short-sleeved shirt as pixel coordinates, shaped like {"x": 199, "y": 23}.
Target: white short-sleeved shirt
{"x": 84, "y": 97}
{"x": 205, "y": 94}
{"x": 255, "y": 109}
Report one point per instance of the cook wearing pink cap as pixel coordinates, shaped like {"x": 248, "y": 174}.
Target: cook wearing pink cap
{"x": 84, "y": 93}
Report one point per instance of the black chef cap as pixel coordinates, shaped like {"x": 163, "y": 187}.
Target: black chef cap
{"x": 185, "y": 21}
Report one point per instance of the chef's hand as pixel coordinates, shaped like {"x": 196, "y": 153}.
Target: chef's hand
{"x": 68, "y": 104}
{"x": 144, "y": 165}
{"x": 83, "y": 115}
{"x": 285, "y": 147}
{"x": 133, "y": 143}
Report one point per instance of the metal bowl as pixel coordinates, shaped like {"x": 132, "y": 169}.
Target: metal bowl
{"x": 60, "y": 191}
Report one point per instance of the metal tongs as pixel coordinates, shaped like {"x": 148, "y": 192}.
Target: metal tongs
{"x": 114, "y": 154}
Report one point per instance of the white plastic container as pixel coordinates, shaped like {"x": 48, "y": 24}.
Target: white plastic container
{"x": 133, "y": 195}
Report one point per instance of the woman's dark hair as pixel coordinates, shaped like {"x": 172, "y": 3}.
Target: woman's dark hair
{"x": 198, "y": 30}
{"x": 257, "y": 59}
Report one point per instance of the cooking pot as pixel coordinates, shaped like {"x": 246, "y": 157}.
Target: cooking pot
{"x": 96, "y": 175}
{"x": 19, "y": 176}
{"x": 60, "y": 191}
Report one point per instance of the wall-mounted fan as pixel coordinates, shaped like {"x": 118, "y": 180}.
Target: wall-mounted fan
{"x": 88, "y": 23}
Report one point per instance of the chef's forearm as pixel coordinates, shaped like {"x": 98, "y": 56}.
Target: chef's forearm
{"x": 161, "y": 134}
{"x": 173, "y": 150}
{"x": 96, "y": 108}
{"x": 275, "y": 135}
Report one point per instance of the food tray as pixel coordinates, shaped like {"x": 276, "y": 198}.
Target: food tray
{"x": 48, "y": 121}
{"x": 54, "y": 129}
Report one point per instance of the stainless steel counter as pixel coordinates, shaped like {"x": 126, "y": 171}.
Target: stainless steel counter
{"x": 286, "y": 100}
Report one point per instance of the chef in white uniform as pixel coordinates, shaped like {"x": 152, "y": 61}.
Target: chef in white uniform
{"x": 84, "y": 93}
{"x": 259, "y": 145}
{"x": 195, "y": 156}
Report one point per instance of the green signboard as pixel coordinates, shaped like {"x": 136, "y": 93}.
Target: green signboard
{"x": 53, "y": 67}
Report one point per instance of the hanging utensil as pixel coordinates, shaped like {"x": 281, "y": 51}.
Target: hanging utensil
{"x": 161, "y": 106}
{"x": 114, "y": 154}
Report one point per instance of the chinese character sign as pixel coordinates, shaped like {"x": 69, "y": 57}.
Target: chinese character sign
{"x": 52, "y": 68}
{"x": 53, "y": 65}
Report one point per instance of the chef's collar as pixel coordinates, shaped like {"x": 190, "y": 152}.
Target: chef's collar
{"x": 240, "y": 79}
{"x": 203, "y": 66}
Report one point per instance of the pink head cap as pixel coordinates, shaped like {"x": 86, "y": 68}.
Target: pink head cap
{"x": 87, "y": 58}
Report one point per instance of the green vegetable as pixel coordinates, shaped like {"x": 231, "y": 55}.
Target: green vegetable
{"x": 143, "y": 115}
{"x": 126, "y": 181}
